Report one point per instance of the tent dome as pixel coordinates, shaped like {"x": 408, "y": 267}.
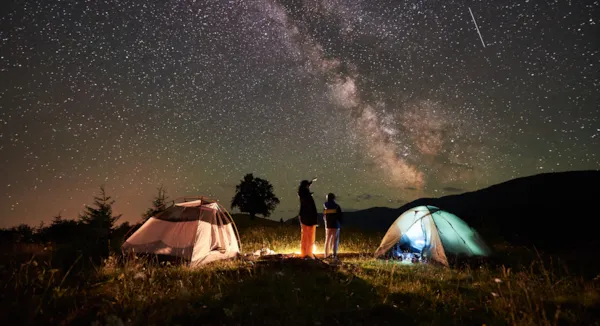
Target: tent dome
{"x": 433, "y": 233}
{"x": 200, "y": 231}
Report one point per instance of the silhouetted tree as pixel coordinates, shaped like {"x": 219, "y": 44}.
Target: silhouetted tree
{"x": 120, "y": 234}
{"x": 25, "y": 233}
{"x": 61, "y": 230}
{"x": 17, "y": 234}
{"x": 254, "y": 196}
{"x": 57, "y": 218}
{"x": 159, "y": 204}
{"x": 8, "y": 237}
{"x": 100, "y": 222}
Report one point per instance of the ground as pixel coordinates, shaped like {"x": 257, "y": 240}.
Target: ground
{"x": 280, "y": 290}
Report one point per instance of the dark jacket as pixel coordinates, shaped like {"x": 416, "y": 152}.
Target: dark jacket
{"x": 308, "y": 208}
{"x": 332, "y": 214}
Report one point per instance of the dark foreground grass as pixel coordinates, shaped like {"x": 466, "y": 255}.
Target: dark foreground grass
{"x": 289, "y": 291}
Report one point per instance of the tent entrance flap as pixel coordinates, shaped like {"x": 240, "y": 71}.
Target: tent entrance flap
{"x": 414, "y": 238}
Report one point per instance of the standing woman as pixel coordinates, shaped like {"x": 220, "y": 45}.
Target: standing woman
{"x": 308, "y": 218}
{"x": 332, "y": 214}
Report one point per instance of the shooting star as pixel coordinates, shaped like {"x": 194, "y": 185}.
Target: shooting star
{"x": 476, "y": 27}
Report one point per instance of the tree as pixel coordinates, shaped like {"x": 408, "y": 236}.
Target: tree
{"x": 119, "y": 235}
{"x": 24, "y": 233}
{"x": 254, "y": 196}
{"x": 159, "y": 204}
{"x": 61, "y": 230}
{"x": 57, "y": 219}
{"x": 100, "y": 221}
{"x": 101, "y": 215}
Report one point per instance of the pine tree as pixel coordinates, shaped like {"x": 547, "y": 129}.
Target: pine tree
{"x": 57, "y": 218}
{"x": 159, "y": 204}
{"x": 100, "y": 222}
{"x": 62, "y": 230}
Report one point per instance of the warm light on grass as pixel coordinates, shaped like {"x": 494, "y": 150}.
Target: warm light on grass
{"x": 297, "y": 251}
{"x": 286, "y": 240}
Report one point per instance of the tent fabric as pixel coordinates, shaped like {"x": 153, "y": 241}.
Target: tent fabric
{"x": 433, "y": 232}
{"x": 193, "y": 211}
{"x": 196, "y": 231}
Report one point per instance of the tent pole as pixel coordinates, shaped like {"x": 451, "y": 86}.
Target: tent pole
{"x": 234, "y": 226}
{"x": 131, "y": 228}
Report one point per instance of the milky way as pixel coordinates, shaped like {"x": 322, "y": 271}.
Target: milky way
{"x": 383, "y": 101}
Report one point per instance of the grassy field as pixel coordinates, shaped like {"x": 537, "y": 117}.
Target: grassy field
{"x": 289, "y": 291}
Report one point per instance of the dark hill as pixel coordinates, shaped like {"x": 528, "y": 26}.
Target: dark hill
{"x": 550, "y": 210}
{"x": 370, "y": 219}
{"x": 243, "y": 221}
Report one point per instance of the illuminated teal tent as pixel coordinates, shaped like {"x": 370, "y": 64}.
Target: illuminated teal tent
{"x": 434, "y": 233}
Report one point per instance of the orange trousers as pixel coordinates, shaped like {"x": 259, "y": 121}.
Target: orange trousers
{"x": 308, "y": 240}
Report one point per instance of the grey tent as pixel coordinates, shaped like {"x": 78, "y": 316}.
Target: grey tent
{"x": 434, "y": 233}
{"x": 200, "y": 231}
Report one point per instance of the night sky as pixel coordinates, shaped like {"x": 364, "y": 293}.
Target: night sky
{"x": 383, "y": 101}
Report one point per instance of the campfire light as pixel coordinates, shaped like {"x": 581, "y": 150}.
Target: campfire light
{"x": 314, "y": 247}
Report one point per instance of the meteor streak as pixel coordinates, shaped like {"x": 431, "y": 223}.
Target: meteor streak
{"x": 476, "y": 27}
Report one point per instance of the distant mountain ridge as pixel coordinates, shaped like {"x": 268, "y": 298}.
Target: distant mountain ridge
{"x": 371, "y": 219}
{"x": 549, "y": 210}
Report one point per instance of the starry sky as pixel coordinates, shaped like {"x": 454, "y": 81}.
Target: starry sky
{"x": 383, "y": 101}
